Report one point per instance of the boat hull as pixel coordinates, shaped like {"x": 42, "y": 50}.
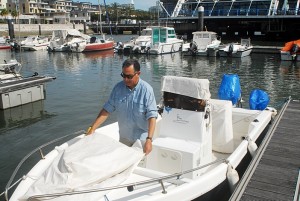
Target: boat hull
{"x": 34, "y": 47}
{"x": 237, "y": 54}
{"x": 99, "y": 46}
{"x": 5, "y": 47}
{"x": 287, "y": 56}
{"x": 166, "y": 48}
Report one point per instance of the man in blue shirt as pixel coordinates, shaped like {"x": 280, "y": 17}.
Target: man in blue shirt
{"x": 134, "y": 101}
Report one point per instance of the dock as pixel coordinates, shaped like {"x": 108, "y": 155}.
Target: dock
{"x": 266, "y": 49}
{"x": 273, "y": 173}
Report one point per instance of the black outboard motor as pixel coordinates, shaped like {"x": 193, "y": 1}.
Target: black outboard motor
{"x": 294, "y": 51}
{"x": 193, "y": 49}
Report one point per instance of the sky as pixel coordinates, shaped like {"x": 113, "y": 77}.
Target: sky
{"x": 138, "y": 4}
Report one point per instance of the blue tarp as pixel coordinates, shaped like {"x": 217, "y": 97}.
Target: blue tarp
{"x": 230, "y": 88}
{"x": 258, "y": 100}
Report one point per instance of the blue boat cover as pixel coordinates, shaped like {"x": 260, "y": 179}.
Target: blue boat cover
{"x": 230, "y": 88}
{"x": 258, "y": 100}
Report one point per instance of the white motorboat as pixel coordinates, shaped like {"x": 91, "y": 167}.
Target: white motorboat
{"x": 290, "y": 51}
{"x": 34, "y": 43}
{"x": 142, "y": 43}
{"x": 164, "y": 41}
{"x": 242, "y": 49}
{"x": 205, "y": 43}
{"x": 70, "y": 40}
{"x": 139, "y": 45}
{"x": 9, "y": 69}
{"x": 198, "y": 144}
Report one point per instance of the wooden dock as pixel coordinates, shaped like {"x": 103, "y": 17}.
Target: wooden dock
{"x": 273, "y": 174}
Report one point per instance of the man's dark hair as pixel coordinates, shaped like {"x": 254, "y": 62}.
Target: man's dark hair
{"x": 134, "y": 62}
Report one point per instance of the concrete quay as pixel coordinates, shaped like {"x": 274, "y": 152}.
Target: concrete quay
{"x": 266, "y": 49}
{"x": 33, "y": 29}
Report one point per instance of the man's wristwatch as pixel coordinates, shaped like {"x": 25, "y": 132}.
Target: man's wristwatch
{"x": 149, "y": 138}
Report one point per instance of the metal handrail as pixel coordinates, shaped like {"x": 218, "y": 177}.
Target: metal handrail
{"x": 8, "y": 185}
{"x": 130, "y": 185}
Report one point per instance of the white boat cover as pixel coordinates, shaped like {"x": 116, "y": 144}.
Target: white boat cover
{"x": 63, "y": 33}
{"x": 96, "y": 161}
{"x": 222, "y": 129}
{"x": 192, "y": 87}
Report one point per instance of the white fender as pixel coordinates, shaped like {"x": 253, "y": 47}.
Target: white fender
{"x": 252, "y": 147}
{"x": 232, "y": 177}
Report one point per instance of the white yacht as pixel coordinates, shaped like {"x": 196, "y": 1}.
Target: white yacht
{"x": 164, "y": 41}
{"x": 205, "y": 43}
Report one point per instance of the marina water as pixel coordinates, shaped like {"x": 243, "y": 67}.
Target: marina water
{"x": 84, "y": 81}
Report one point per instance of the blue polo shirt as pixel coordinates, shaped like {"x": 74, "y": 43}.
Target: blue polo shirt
{"x": 134, "y": 107}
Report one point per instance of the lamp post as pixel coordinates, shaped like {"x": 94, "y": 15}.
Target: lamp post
{"x": 158, "y": 6}
{"x": 40, "y": 30}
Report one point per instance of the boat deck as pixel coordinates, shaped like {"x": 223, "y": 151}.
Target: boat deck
{"x": 273, "y": 173}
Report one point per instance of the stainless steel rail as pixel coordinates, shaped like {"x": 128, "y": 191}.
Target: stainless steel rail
{"x": 8, "y": 185}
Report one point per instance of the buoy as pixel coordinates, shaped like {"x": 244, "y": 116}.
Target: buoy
{"x": 232, "y": 177}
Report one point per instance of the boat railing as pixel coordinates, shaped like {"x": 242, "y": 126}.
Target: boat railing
{"x": 131, "y": 186}
{"x": 9, "y": 184}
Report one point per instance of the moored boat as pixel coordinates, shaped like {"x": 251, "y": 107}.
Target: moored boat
{"x": 242, "y": 49}
{"x": 290, "y": 51}
{"x": 4, "y": 44}
{"x": 34, "y": 43}
{"x": 164, "y": 41}
{"x": 141, "y": 44}
{"x": 70, "y": 40}
{"x": 95, "y": 43}
{"x": 198, "y": 144}
{"x": 205, "y": 43}
{"x": 9, "y": 69}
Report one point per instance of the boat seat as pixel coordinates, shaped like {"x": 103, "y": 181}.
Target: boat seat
{"x": 182, "y": 144}
{"x": 222, "y": 129}
{"x": 93, "y": 39}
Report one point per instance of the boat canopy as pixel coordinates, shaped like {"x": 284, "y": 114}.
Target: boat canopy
{"x": 192, "y": 87}
{"x": 95, "y": 161}
{"x": 71, "y": 32}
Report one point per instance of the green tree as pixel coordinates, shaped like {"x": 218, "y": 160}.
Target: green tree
{"x": 14, "y": 14}
{"x": 4, "y": 13}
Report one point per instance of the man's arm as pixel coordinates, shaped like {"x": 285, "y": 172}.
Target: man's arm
{"x": 102, "y": 116}
{"x": 151, "y": 128}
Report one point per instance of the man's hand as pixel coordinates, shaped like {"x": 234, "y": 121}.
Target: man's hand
{"x": 89, "y": 131}
{"x": 148, "y": 147}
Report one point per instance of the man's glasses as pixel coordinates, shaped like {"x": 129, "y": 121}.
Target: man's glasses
{"x": 128, "y": 76}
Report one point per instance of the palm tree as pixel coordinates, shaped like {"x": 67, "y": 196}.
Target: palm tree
{"x": 14, "y": 14}
{"x": 4, "y": 13}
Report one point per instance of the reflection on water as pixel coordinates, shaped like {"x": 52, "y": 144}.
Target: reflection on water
{"x": 23, "y": 115}
{"x": 84, "y": 82}
{"x": 290, "y": 68}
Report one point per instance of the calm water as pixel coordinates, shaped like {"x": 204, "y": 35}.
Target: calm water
{"x": 84, "y": 82}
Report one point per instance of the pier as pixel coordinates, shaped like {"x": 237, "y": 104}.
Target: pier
{"x": 273, "y": 173}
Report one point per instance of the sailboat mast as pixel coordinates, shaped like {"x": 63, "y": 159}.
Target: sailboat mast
{"x": 100, "y": 18}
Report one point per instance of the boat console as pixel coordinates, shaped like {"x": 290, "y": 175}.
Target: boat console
{"x": 184, "y": 138}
